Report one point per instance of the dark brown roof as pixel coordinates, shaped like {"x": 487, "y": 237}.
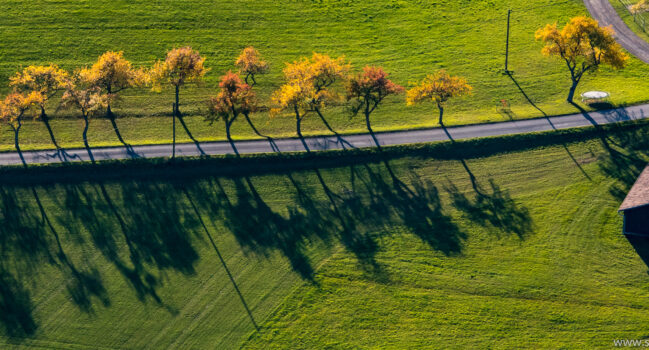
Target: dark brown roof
{"x": 639, "y": 194}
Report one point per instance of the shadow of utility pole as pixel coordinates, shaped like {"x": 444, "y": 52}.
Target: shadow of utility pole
{"x": 529, "y": 100}
{"x": 218, "y": 253}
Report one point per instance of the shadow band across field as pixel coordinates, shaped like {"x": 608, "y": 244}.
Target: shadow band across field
{"x": 147, "y": 221}
{"x": 145, "y": 226}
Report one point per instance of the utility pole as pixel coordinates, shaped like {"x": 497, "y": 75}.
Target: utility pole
{"x": 509, "y": 12}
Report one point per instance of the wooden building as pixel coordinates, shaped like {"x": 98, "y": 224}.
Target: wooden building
{"x": 636, "y": 207}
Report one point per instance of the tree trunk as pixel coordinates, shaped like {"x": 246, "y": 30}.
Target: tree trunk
{"x": 252, "y": 126}
{"x": 46, "y": 121}
{"x": 273, "y": 145}
{"x": 367, "y": 122}
{"x": 191, "y": 137}
{"x": 17, "y": 143}
{"x": 229, "y": 137}
{"x": 85, "y": 137}
{"x": 113, "y": 122}
{"x": 441, "y": 114}
{"x": 175, "y": 114}
{"x": 298, "y": 128}
{"x": 571, "y": 92}
{"x": 324, "y": 121}
{"x": 369, "y": 128}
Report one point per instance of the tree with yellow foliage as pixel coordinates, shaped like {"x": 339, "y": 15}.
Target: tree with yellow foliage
{"x": 234, "y": 98}
{"x": 181, "y": 66}
{"x": 640, "y": 6}
{"x": 438, "y": 88}
{"x": 88, "y": 98}
{"x": 367, "y": 90}
{"x": 47, "y": 81}
{"x": 250, "y": 63}
{"x": 306, "y": 88}
{"x": 112, "y": 73}
{"x": 12, "y": 110}
{"x": 583, "y": 45}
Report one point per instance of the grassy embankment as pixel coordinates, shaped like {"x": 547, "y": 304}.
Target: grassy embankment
{"x": 410, "y": 39}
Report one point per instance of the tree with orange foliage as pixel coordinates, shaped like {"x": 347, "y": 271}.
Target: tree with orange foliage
{"x": 367, "y": 90}
{"x": 438, "y": 88}
{"x": 12, "y": 110}
{"x": 250, "y": 63}
{"x": 306, "y": 88}
{"x": 583, "y": 45}
{"x": 88, "y": 98}
{"x": 234, "y": 98}
{"x": 181, "y": 66}
{"x": 47, "y": 81}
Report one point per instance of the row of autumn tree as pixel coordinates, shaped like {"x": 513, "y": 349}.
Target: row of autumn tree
{"x": 308, "y": 83}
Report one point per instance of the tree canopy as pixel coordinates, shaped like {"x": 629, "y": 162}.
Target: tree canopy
{"x": 15, "y": 104}
{"x": 113, "y": 73}
{"x": 250, "y": 63}
{"x": 46, "y": 80}
{"x": 438, "y": 88}
{"x": 234, "y": 97}
{"x": 640, "y": 6}
{"x": 583, "y": 45}
{"x": 82, "y": 94}
{"x": 181, "y": 65}
{"x": 370, "y": 87}
{"x": 307, "y": 81}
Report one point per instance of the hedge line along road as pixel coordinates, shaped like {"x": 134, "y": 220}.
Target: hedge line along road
{"x": 322, "y": 143}
{"x": 605, "y": 14}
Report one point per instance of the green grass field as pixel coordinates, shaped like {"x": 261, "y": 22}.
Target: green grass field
{"x": 405, "y": 253}
{"x": 408, "y": 38}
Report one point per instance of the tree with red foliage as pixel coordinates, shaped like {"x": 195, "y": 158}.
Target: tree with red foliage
{"x": 368, "y": 89}
{"x": 235, "y": 97}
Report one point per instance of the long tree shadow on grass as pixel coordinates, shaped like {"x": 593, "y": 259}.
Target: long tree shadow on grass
{"x": 340, "y": 140}
{"x": 259, "y": 229}
{"x": 416, "y": 205}
{"x": 490, "y": 207}
{"x": 627, "y": 151}
{"x": 271, "y": 141}
{"x": 181, "y": 119}
{"x": 627, "y": 156}
{"x": 60, "y": 152}
{"x": 310, "y": 217}
{"x": 113, "y": 121}
{"x": 220, "y": 256}
{"x": 545, "y": 115}
{"x": 82, "y": 284}
{"x": 15, "y": 306}
{"x": 344, "y": 215}
{"x": 146, "y": 220}
{"x": 153, "y": 238}
{"x": 23, "y": 247}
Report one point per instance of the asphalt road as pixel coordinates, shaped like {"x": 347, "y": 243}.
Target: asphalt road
{"x": 347, "y": 141}
{"x": 603, "y": 11}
